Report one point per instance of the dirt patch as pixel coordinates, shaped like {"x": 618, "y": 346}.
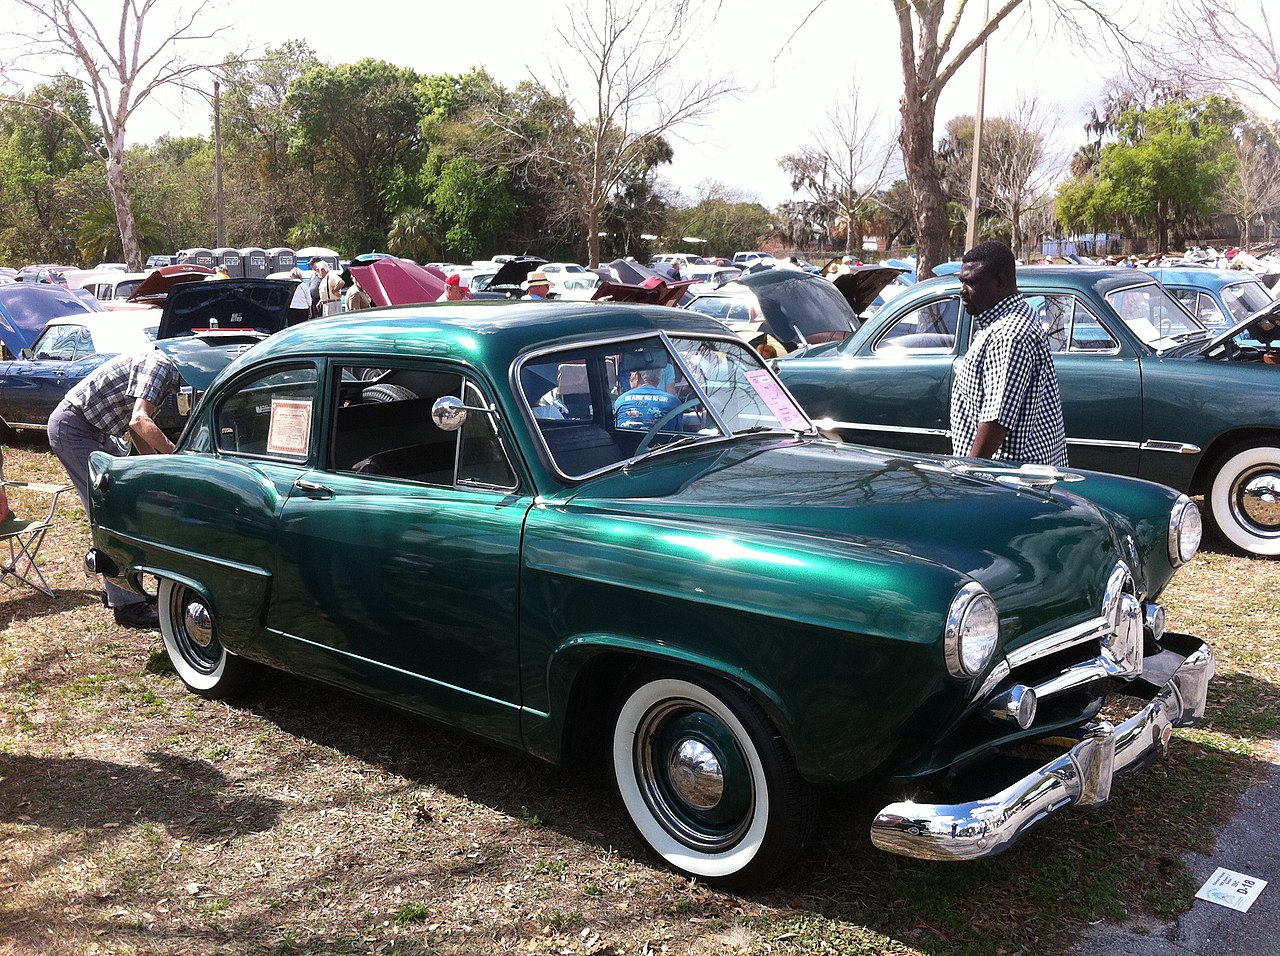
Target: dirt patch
{"x": 137, "y": 819}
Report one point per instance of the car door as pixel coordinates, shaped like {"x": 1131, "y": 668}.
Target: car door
{"x": 33, "y": 387}
{"x": 400, "y": 557}
{"x": 1100, "y": 378}
{"x": 891, "y": 387}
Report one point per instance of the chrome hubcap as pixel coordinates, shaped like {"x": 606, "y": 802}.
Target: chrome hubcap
{"x": 1258, "y": 501}
{"x": 696, "y": 775}
{"x": 198, "y": 624}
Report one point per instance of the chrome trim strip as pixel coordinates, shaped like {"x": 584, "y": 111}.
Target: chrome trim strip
{"x": 1172, "y": 447}
{"x": 829, "y": 423}
{"x": 1045, "y": 646}
{"x": 1102, "y": 443}
{"x": 1083, "y": 775}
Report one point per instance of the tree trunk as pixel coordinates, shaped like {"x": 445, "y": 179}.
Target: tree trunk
{"x": 123, "y": 202}
{"x": 929, "y": 204}
{"x": 593, "y": 238}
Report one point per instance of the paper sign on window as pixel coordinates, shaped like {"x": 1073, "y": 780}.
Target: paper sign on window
{"x": 290, "y": 430}
{"x": 776, "y": 400}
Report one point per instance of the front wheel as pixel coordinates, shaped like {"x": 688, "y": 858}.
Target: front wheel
{"x": 1244, "y": 500}
{"x": 191, "y": 640}
{"x": 707, "y": 781}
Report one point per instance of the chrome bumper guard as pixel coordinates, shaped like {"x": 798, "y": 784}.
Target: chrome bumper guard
{"x": 1083, "y": 775}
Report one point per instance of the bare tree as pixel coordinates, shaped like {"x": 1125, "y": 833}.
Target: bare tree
{"x": 845, "y": 167}
{"x": 619, "y": 77}
{"x": 1228, "y": 47}
{"x": 1255, "y": 187}
{"x": 122, "y": 63}
{"x": 932, "y": 52}
{"x": 1014, "y": 174}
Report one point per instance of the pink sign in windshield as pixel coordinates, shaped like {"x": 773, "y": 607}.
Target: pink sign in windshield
{"x": 777, "y": 400}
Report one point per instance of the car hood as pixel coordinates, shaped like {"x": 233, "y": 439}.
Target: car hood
{"x": 513, "y": 272}
{"x": 26, "y": 307}
{"x": 227, "y": 305}
{"x": 862, "y": 284}
{"x": 1263, "y": 326}
{"x": 155, "y": 287}
{"x": 200, "y": 358}
{"x": 798, "y": 306}
{"x": 1031, "y": 547}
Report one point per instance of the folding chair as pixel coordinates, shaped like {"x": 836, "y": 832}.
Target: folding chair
{"x": 24, "y": 537}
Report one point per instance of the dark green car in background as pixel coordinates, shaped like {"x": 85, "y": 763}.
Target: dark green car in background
{"x": 450, "y": 510}
{"x": 1147, "y": 390}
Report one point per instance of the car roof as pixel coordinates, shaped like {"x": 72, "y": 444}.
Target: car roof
{"x": 1102, "y": 278}
{"x": 1204, "y": 278}
{"x": 141, "y": 318}
{"x": 486, "y": 333}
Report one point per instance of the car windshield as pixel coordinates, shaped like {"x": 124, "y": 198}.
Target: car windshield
{"x": 602, "y": 405}
{"x": 1243, "y": 299}
{"x": 1155, "y": 316}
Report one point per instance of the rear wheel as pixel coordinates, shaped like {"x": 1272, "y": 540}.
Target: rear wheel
{"x": 191, "y": 640}
{"x": 707, "y": 781}
{"x": 1244, "y": 499}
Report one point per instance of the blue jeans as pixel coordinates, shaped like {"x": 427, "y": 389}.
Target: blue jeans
{"x": 72, "y": 439}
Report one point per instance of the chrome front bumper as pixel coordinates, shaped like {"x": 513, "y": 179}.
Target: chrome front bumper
{"x": 967, "y": 831}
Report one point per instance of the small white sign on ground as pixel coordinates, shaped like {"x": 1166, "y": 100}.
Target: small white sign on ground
{"x": 1234, "y": 890}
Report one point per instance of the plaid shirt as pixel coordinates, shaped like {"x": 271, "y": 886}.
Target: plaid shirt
{"x": 1007, "y": 376}
{"x": 107, "y": 396}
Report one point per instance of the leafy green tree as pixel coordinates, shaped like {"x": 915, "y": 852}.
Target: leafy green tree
{"x": 265, "y": 189}
{"x": 171, "y": 181}
{"x": 99, "y": 236}
{"x": 1169, "y": 164}
{"x": 472, "y": 204}
{"x": 358, "y": 131}
{"x": 728, "y": 222}
{"x": 40, "y": 153}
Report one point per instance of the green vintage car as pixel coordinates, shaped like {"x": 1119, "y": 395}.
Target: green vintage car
{"x": 576, "y": 528}
{"x": 1147, "y": 390}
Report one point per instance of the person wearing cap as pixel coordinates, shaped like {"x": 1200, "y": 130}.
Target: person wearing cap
{"x": 453, "y": 291}
{"x": 538, "y": 286}
{"x": 220, "y": 273}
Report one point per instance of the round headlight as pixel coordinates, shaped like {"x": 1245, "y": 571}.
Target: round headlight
{"x": 1185, "y": 529}
{"x": 973, "y": 627}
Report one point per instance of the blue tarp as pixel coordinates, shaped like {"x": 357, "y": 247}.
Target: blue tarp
{"x": 25, "y": 307}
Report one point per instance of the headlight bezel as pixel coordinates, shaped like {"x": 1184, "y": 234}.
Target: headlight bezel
{"x": 1186, "y": 531}
{"x": 967, "y": 653}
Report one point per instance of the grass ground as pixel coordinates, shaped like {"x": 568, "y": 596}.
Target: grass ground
{"x": 137, "y": 819}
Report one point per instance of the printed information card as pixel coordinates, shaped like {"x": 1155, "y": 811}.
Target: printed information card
{"x": 1231, "y": 889}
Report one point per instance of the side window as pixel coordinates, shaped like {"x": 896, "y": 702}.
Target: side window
{"x": 58, "y": 343}
{"x": 481, "y": 459}
{"x": 269, "y": 416}
{"x": 930, "y": 328}
{"x": 383, "y": 427}
{"x": 1087, "y": 333}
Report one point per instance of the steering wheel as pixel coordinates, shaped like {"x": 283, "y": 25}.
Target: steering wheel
{"x": 656, "y": 427}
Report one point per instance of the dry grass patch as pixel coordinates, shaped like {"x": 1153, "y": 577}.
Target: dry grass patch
{"x": 137, "y": 819}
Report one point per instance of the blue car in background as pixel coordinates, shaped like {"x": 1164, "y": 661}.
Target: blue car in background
{"x": 1219, "y": 298}
{"x": 68, "y": 349}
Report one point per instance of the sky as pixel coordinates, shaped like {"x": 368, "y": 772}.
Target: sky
{"x": 791, "y": 72}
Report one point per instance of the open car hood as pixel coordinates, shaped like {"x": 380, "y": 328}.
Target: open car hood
{"x": 228, "y": 306}
{"x": 861, "y": 285}
{"x": 392, "y": 281}
{"x": 799, "y": 306}
{"x": 515, "y": 271}
{"x": 156, "y": 286}
{"x": 25, "y": 307}
{"x": 1263, "y": 326}
{"x": 636, "y": 283}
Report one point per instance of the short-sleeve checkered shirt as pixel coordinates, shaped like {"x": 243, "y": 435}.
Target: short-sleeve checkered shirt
{"x": 1007, "y": 376}
{"x": 107, "y": 396}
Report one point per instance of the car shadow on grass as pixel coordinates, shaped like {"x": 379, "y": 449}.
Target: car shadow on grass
{"x": 191, "y": 799}
{"x": 25, "y": 603}
{"x": 1113, "y": 862}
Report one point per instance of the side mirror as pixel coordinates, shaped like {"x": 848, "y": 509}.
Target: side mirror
{"x": 26, "y": 354}
{"x": 449, "y": 413}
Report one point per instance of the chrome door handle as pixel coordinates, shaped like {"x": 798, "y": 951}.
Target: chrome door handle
{"x": 313, "y": 489}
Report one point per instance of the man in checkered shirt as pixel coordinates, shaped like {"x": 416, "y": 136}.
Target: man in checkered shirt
{"x": 1005, "y": 402}
{"x": 119, "y": 397}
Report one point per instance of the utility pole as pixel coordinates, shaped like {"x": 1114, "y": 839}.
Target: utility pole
{"x": 217, "y": 165}
{"x": 971, "y": 232}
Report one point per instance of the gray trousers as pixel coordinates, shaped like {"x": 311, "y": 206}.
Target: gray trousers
{"x": 71, "y": 439}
